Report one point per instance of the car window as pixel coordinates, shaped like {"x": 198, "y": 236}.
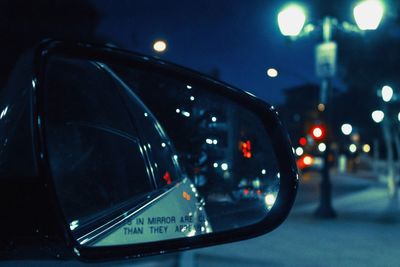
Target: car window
{"x": 156, "y": 145}
{"x": 95, "y": 154}
{"x": 164, "y": 164}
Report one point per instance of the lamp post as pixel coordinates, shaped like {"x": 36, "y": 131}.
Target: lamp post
{"x": 292, "y": 22}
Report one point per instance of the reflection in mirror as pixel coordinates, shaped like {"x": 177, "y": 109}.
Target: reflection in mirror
{"x": 139, "y": 157}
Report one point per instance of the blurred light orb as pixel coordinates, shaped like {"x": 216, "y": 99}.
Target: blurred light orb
{"x": 160, "y": 46}
{"x": 186, "y": 114}
{"x": 378, "y": 116}
{"x": 398, "y": 116}
{"x": 347, "y": 129}
{"x": 366, "y": 148}
{"x": 317, "y": 132}
{"x": 321, "y": 107}
{"x": 322, "y": 147}
{"x": 387, "y": 93}
{"x": 270, "y": 200}
{"x": 272, "y": 72}
{"x": 368, "y": 14}
{"x": 303, "y": 141}
{"x": 299, "y": 151}
{"x": 355, "y": 137}
{"x": 353, "y": 148}
{"x": 224, "y": 166}
{"x": 291, "y": 20}
{"x": 307, "y": 160}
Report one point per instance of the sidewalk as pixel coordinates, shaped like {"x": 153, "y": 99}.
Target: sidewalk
{"x": 358, "y": 237}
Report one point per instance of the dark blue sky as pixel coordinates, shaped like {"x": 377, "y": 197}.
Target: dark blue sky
{"x": 240, "y": 38}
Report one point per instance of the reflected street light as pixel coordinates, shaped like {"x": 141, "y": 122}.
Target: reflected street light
{"x": 272, "y": 72}
{"x": 291, "y": 20}
{"x": 378, "y": 116}
{"x": 368, "y": 14}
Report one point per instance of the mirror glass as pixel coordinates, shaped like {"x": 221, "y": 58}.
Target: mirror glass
{"x": 138, "y": 156}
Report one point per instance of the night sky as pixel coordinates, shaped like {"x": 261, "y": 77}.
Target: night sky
{"x": 240, "y": 38}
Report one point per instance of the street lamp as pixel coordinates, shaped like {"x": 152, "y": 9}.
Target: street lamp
{"x": 291, "y": 20}
{"x": 368, "y": 14}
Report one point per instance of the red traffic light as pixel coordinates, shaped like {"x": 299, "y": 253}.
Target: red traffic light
{"x": 318, "y": 132}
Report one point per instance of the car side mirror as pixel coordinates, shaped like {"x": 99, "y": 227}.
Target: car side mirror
{"x": 148, "y": 157}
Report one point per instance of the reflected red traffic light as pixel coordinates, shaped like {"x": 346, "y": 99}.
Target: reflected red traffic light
{"x": 167, "y": 177}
